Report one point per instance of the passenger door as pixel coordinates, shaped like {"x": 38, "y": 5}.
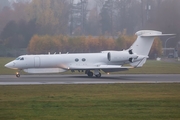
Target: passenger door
{"x": 36, "y": 62}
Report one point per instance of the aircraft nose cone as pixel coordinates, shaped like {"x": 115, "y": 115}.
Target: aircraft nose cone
{"x": 10, "y": 65}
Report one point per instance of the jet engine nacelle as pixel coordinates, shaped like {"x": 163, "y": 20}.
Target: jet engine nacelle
{"x": 116, "y": 56}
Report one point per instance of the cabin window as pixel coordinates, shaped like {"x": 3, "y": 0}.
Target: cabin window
{"x": 83, "y": 59}
{"x": 76, "y": 59}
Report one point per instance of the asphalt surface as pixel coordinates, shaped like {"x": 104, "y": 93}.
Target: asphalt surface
{"x": 83, "y": 79}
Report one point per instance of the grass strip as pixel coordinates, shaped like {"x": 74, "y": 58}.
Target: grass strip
{"x": 90, "y": 102}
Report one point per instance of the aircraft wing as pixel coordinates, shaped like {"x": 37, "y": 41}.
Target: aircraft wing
{"x": 102, "y": 67}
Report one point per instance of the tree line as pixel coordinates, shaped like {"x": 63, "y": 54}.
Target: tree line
{"x": 19, "y": 22}
{"x": 64, "y": 44}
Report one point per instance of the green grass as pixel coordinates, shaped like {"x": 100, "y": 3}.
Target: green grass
{"x": 90, "y": 102}
{"x": 150, "y": 67}
{"x": 156, "y": 67}
{"x": 4, "y": 70}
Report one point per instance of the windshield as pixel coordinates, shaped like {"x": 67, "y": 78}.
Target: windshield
{"x": 20, "y": 58}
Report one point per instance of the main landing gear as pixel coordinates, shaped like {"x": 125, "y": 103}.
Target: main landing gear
{"x": 96, "y": 73}
{"x": 90, "y": 74}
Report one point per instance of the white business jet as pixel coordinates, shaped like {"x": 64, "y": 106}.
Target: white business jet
{"x": 107, "y": 61}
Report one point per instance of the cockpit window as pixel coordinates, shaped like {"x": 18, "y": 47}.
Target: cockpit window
{"x": 19, "y": 58}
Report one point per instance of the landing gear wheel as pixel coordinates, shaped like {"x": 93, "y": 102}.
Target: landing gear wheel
{"x": 99, "y": 75}
{"x": 90, "y": 74}
{"x": 17, "y": 75}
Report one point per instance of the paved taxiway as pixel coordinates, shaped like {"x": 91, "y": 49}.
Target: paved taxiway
{"x": 83, "y": 79}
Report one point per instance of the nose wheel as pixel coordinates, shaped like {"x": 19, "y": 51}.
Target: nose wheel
{"x": 17, "y": 75}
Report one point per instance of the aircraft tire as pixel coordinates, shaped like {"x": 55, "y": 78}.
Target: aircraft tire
{"x": 99, "y": 75}
{"x": 17, "y": 75}
{"x": 90, "y": 74}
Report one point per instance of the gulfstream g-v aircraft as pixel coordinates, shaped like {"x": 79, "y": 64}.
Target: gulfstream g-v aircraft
{"x": 90, "y": 63}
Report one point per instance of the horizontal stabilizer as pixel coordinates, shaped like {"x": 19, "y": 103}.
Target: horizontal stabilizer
{"x": 157, "y": 35}
{"x": 151, "y": 33}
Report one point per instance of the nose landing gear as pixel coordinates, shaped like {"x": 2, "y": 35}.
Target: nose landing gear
{"x": 17, "y": 74}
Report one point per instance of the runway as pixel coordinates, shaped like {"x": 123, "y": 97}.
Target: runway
{"x": 83, "y": 79}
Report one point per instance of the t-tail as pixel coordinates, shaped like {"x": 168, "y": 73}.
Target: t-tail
{"x": 143, "y": 44}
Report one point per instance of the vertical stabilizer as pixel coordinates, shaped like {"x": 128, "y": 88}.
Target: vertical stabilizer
{"x": 143, "y": 44}
{"x": 144, "y": 41}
